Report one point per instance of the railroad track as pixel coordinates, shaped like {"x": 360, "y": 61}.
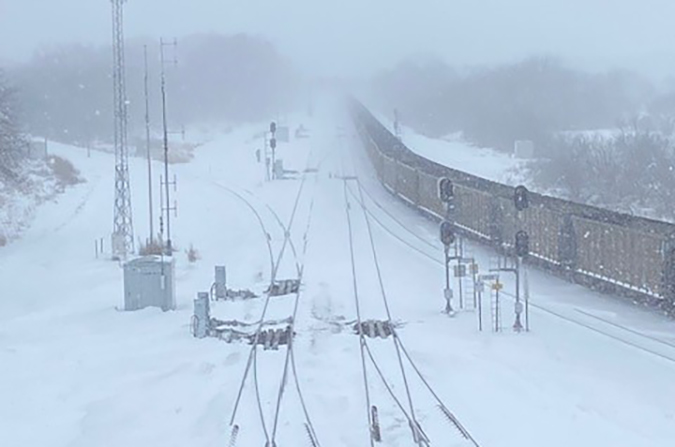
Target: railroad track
{"x": 288, "y": 368}
{"x": 408, "y": 404}
{"x": 622, "y": 334}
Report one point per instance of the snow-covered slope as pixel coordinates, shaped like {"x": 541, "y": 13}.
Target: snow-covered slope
{"x": 77, "y": 372}
{"x": 455, "y": 152}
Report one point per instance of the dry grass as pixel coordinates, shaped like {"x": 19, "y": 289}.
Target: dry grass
{"x": 154, "y": 247}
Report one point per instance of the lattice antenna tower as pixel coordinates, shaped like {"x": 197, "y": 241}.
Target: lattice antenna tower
{"x": 123, "y": 232}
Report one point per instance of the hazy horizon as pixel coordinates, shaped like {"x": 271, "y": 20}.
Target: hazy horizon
{"x": 353, "y": 38}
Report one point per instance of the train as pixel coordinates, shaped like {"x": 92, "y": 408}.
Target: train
{"x": 611, "y": 252}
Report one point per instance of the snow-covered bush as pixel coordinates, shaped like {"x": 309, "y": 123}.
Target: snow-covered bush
{"x": 633, "y": 171}
{"x": 192, "y": 254}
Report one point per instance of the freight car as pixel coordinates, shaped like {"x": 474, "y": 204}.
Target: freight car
{"x": 601, "y": 249}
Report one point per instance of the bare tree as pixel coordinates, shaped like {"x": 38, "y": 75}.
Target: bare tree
{"x": 12, "y": 142}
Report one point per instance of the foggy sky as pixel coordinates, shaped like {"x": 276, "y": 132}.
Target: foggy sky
{"x": 360, "y": 36}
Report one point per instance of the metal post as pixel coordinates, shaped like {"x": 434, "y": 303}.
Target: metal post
{"x": 497, "y": 311}
{"x": 518, "y": 326}
{"x": 447, "y": 291}
{"x": 267, "y": 159}
{"x": 274, "y": 158}
{"x": 458, "y": 256}
{"x": 480, "y": 304}
{"x": 166, "y": 152}
{"x": 147, "y": 144}
{"x": 167, "y": 197}
{"x": 526, "y": 286}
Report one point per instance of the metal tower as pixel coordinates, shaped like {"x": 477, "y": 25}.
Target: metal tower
{"x": 123, "y": 232}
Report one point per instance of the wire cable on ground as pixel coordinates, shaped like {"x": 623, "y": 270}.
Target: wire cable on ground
{"x": 399, "y": 344}
{"x": 355, "y": 288}
{"x": 442, "y": 406}
{"x": 383, "y": 293}
{"x": 289, "y": 351}
{"x": 260, "y": 222}
{"x": 252, "y": 362}
{"x": 261, "y": 322}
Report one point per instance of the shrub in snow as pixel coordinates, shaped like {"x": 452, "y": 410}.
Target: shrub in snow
{"x": 153, "y": 247}
{"x": 192, "y": 254}
{"x": 64, "y": 171}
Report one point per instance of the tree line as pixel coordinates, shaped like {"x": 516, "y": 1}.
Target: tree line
{"x": 12, "y": 140}
{"x": 494, "y": 106}
{"x": 66, "y": 91}
{"x": 601, "y": 138}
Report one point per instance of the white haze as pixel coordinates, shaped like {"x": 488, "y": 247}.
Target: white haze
{"x": 353, "y": 37}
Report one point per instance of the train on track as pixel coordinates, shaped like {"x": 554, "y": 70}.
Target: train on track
{"x": 605, "y": 250}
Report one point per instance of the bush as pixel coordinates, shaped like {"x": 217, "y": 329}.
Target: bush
{"x": 154, "y": 247}
{"x": 64, "y": 171}
{"x": 632, "y": 171}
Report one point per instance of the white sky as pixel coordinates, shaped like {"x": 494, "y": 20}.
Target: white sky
{"x": 359, "y": 36}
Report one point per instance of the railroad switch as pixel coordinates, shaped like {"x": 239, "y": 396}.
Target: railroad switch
{"x": 374, "y": 328}
{"x": 236, "y": 295}
{"x": 284, "y": 287}
{"x": 273, "y": 338}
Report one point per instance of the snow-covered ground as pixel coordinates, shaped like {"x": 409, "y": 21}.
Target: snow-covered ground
{"x": 77, "y": 372}
{"x": 35, "y": 182}
{"x": 455, "y": 152}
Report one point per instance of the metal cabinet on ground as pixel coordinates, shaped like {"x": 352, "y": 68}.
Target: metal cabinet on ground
{"x": 150, "y": 281}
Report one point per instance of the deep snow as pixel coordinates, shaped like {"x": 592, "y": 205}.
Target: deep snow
{"x": 77, "y": 372}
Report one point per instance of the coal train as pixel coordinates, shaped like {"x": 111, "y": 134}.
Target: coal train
{"x": 605, "y": 250}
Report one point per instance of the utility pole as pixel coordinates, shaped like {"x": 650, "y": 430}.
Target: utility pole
{"x": 273, "y": 145}
{"x": 148, "y": 144}
{"x": 168, "y": 208}
{"x": 123, "y": 232}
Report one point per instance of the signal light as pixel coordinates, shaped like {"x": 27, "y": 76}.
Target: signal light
{"x": 520, "y": 198}
{"x": 522, "y": 244}
{"x": 446, "y": 190}
{"x": 447, "y": 233}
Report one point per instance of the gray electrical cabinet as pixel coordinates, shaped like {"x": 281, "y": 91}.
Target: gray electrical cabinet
{"x": 150, "y": 281}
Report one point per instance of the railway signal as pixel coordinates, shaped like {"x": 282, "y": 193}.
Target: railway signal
{"x": 521, "y": 198}
{"x": 522, "y": 244}
{"x": 446, "y": 190}
{"x": 273, "y": 145}
{"x": 447, "y": 238}
{"x": 446, "y": 194}
{"x": 447, "y": 233}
